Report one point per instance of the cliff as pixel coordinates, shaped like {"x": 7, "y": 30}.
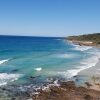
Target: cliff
{"x": 89, "y": 39}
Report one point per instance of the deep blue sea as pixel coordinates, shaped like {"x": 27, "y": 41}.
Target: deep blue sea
{"x": 22, "y": 58}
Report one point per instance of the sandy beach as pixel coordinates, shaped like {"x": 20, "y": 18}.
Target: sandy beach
{"x": 93, "y": 71}
{"x": 93, "y": 75}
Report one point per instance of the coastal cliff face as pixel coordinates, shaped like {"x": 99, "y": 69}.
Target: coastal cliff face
{"x": 68, "y": 91}
{"x": 89, "y": 39}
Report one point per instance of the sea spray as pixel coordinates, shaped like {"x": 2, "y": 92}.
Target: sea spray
{"x": 3, "y": 61}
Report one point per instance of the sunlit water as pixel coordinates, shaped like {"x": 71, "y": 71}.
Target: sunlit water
{"x": 41, "y": 57}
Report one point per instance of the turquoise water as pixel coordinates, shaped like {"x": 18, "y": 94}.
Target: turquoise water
{"x": 42, "y": 57}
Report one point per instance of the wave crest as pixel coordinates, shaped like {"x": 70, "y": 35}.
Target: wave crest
{"x": 6, "y": 78}
{"x": 84, "y": 64}
{"x": 3, "y": 61}
{"x": 82, "y": 48}
{"x": 38, "y": 69}
{"x": 65, "y": 55}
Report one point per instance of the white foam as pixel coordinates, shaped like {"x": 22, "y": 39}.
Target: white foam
{"x": 69, "y": 73}
{"x": 65, "y": 55}
{"x": 58, "y": 39}
{"x": 38, "y": 69}
{"x": 82, "y": 48}
{"x": 46, "y": 88}
{"x": 84, "y": 64}
{"x": 56, "y": 83}
{"x": 6, "y": 78}
{"x": 3, "y": 61}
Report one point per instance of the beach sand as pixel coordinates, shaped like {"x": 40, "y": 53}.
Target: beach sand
{"x": 93, "y": 75}
{"x": 93, "y": 71}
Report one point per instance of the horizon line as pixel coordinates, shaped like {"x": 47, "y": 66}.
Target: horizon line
{"x": 33, "y": 36}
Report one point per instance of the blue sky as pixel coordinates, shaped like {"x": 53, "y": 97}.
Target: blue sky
{"x": 49, "y": 17}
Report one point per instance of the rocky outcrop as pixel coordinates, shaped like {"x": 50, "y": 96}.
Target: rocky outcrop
{"x": 68, "y": 91}
{"x": 64, "y": 91}
{"x": 87, "y": 40}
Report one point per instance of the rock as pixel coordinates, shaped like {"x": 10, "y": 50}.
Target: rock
{"x": 14, "y": 70}
{"x": 33, "y": 77}
{"x": 66, "y": 91}
{"x": 13, "y": 98}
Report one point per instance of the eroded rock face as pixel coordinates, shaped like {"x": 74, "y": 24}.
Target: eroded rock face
{"x": 68, "y": 91}
{"x": 65, "y": 91}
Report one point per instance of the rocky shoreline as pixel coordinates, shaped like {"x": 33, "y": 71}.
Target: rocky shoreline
{"x": 68, "y": 91}
{"x": 58, "y": 90}
{"x": 86, "y": 40}
{"x": 84, "y": 43}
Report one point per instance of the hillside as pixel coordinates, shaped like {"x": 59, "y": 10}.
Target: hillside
{"x": 94, "y": 38}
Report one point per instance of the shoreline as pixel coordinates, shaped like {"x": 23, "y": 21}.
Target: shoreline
{"x": 61, "y": 90}
{"x": 67, "y": 91}
{"x": 55, "y": 90}
{"x": 84, "y": 43}
{"x": 64, "y": 90}
{"x": 93, "y": 71}
{"x": 93, "y": 75}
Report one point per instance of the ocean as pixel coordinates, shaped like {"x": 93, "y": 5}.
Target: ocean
{"x": 31, "y": 60}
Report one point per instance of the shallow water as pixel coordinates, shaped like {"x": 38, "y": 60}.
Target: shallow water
{"x": 22, "y": 58}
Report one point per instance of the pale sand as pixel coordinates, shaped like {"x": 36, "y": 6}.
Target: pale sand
{"x": 90, "y": 72}
{"x": 93, "y": 71}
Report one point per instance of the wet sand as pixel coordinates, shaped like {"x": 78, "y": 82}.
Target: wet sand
{"x": 93, "y": 71}
{"x": 93, "y": 75}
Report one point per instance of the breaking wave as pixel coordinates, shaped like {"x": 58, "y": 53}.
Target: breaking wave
{"x": 84, "y": 64}
{"x": 65, "y": 55}
{"x": 82, "y": 48}
{"x": 3, "y": 61}
{"x": 38, "y": 69}
{"x": 6, "y": 78}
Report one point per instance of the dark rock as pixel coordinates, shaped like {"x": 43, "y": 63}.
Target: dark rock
{"x": 13, "y": 98}
{"x": 32, "y": 77}
{"x": 87, "y": 97}
{"x": 3, "y": 88}
{"x": 14, "y": 70}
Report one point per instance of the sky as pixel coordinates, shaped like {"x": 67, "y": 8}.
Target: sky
{"x": 49, "y": 17}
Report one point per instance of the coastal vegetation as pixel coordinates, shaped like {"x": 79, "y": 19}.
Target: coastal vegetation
{"x": 90, "y": 38}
